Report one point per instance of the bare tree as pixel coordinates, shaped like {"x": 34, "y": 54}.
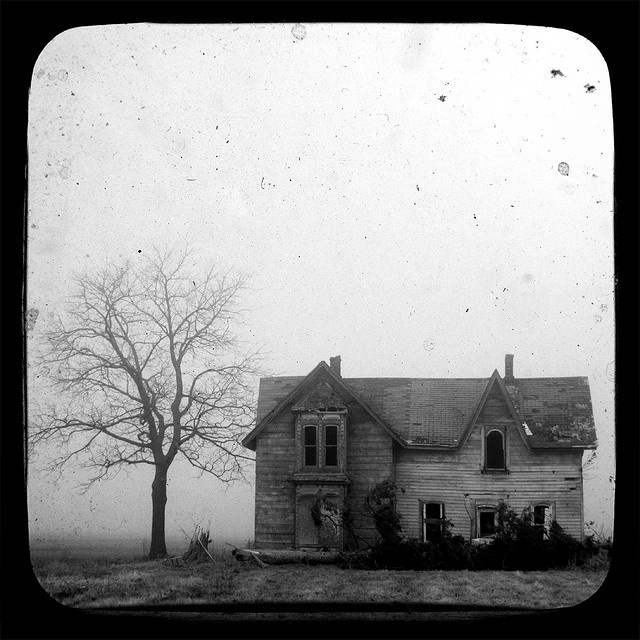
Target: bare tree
{"x": 147, "y": 366}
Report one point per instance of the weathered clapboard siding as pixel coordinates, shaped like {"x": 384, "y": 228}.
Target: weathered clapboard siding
{"x": 369, "y": 461}
{"x": 455, "y": 478}
{"x": 275, "y": 495}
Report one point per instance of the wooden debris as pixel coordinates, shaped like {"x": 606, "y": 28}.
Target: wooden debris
{"x": 285, "y": 556}
{"x": 198, "y": 547}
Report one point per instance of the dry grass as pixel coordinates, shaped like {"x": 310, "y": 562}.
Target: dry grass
{"x": 104, "y": 583}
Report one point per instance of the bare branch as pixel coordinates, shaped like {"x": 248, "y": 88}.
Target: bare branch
{"x": 145, "y": 365}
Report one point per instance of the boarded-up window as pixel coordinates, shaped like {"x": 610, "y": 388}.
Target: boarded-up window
{"x": 331, "y": 445}
{"x": 432, "y": 519}
{"x": 310, "y": 446}
{"x": 495, "y": 450}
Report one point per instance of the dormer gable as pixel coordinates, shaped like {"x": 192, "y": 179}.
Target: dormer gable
{"x": 495, "y": 406}
{"x": 323, "y": 397}
{"x": 322, "y": 386}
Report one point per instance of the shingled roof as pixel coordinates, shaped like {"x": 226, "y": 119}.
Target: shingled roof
{"x": 436, "y": 412}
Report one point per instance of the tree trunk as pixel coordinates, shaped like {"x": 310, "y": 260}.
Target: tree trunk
{"x": 158, "y": 548}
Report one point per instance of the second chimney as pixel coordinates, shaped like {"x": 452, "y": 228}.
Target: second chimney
{"x": 334, "y": 363}
{"x": 508, "y": 368}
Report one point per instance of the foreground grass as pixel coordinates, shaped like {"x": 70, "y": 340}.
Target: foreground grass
{"x": 105, "y": 583}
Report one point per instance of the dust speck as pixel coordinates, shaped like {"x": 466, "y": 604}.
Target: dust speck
{"x": 299, "y": 31}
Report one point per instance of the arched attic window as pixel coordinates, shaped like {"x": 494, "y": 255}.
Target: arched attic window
{"x": 494, "y": 451}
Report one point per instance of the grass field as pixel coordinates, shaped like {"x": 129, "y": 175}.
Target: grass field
{"x": 98, "y": 583}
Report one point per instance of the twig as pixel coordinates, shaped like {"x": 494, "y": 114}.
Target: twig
{"x": 205, "y": 549}
{"x": 254, "y": 555}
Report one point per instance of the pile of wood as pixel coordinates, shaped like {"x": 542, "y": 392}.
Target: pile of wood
{"x": 265, "y": 557}
{"x": 198, "y": 550}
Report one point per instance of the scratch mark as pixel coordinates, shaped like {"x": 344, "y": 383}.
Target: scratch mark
{"x": 262, "y": 183}
{"x": 610, "y": 371}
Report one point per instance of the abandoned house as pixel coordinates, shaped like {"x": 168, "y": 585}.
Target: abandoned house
{"x": 456, "y": 448}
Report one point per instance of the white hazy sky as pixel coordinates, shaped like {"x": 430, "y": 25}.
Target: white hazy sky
{"x": 395, "y": 189}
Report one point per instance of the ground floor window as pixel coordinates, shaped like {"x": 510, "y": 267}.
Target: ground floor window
{"x": 432, "y": 516}
{"x": 486, "y": 522}
{"x": 542, "y": 517}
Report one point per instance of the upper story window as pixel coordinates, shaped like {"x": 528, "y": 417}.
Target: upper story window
{"x": 310, "y": 445}
{"x": 320, "y": 436}
{"x": 331, "y": 445}
{"x": 494, "y": 449}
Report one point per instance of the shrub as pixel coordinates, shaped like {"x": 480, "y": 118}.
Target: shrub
{"x": 449, "y": 551}
{"x": 442, "y": 549}
{"x": 518, "y": 543}
{"x": 380, "y": 503}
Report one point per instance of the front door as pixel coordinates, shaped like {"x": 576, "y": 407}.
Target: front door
{"x": 319, "y": 517}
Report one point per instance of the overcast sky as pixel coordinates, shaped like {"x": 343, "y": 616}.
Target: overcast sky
{"x": 419, "y": 199}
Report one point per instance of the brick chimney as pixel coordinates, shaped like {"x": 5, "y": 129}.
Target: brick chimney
{"x": 334, "y": 363}
{"x": 508, "y": 369}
